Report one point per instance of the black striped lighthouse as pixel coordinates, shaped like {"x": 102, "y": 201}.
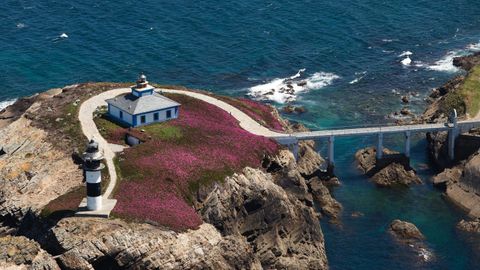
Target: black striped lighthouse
{"x": 92, "y": 168}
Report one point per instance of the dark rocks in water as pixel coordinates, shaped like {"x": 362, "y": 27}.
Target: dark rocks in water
{"x": 294, "y": 109}
{"x": 471, "y": 226}
{"x": 357, "y": 214}
{"x": 392, "y": 170}
{"x": 405, "y": 111}
{"x": 467, "y": 62}
{"x": 405, "y": 231}
{"x": 447, "y": 176}
{"x": 269, "y": 93}
{"x": 409, "y": 234}
{"x": 329, "y": 206}
{"x": 405, "y": 99}
{"x": 302, "y": 83}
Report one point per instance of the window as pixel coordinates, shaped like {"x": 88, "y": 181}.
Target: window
{"x": 155, "y": 116}
{"x": 142, "y": 119}
{"x": 169, "y": 114}
{"x": 121, "y": 115}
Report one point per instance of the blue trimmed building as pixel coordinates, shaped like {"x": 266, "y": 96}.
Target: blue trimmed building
{"x": 142, "y": 106}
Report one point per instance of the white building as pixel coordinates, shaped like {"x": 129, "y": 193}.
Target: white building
{"x": 142, "y": 106}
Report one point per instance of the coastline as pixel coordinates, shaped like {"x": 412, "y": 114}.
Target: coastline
{"x": 456, "y": 178}
{"x": 289, "y": 183}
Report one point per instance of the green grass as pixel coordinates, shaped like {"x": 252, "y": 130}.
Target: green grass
{"x": 454, "y": 100}
{"x": 163, "y": 131}
{"x": 470, "y": 90}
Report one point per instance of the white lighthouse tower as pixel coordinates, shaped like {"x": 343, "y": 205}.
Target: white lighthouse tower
{"x": 93, "y": 176}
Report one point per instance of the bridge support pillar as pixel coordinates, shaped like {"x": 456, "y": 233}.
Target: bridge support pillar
{"x": 407, "y": 144}
{"x": 452, "y": 134}
{"x": 451, "y": 143}
{"x": 379, "y": 154}
{"x": 331, "y": 154}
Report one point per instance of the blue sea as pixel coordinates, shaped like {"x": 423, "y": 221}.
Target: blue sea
{"x": 350, "y": 61}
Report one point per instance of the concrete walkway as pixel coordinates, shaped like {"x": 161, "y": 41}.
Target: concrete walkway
{"x": 90, "y": 130}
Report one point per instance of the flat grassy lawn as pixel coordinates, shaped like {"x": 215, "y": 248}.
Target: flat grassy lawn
{"x": 470, "y": 90}
{"x": 159, "y": 178}
{"x": 163, "y": 131}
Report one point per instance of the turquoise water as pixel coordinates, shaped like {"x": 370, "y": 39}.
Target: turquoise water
{"x": 351, "y": 52}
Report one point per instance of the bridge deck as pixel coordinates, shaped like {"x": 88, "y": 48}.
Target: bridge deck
{"x": 463, "y": 125}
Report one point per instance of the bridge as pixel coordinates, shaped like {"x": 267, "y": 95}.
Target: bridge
{"x": 453, "y": 127}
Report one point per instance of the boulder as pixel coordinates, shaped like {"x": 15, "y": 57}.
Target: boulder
{"x": 392, "y": 170}
{"x": 395, "y": 174}
{"x": 294, "y": 109}
{"x": 405, "y": 231}
{"x": 408, "y": 234}
{"x": 471, "y": 226}
{"x": 328, "y": 205}
{"x": 405, "y": 111}
{"x": 405, "y": 99}
{"x": 447, "y": 176}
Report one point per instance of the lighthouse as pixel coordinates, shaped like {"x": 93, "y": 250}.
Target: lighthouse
{"x": 92, "y": 168}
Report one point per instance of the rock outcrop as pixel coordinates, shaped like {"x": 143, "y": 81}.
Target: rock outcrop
{"x": 392, "y": 170}
{"x": 18, "y": 252}
{"x": 96, "y": 243}
{"x": 408, "y": 234}
{"x": 395, "y": 174}
{"x": 405, "y": 231}
{"x": 470, "y": 226}
{"x": 467, "y": 62}
{"x": 283, "y": 232}
{"x": 461, "y": 184}
{"x": 32, "y": 172}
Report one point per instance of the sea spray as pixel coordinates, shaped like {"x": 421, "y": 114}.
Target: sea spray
{"x": 282, "y": 90}
{"x": 6, "y": 103}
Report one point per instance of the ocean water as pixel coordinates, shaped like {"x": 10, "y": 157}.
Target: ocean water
{"x": 350, "y": 61}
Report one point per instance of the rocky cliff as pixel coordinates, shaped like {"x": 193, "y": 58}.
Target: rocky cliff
{"x": 459, "y": 178}
{"x": 257, "y": 218}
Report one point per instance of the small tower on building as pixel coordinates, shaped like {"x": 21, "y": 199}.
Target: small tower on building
{"x": 92, "y": 167}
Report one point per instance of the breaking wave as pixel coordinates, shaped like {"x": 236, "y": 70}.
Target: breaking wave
{"x": 474, "y": 47}
{"x": 358, "y": 77}
{"x": 284, "y": 90}
{"x": 6, "y": 103}
{"x": 446, "y": 63}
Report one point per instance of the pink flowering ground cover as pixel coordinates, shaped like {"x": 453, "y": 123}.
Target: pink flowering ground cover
{"x": 262, "y": 113}
{"x": 161, "y": 176}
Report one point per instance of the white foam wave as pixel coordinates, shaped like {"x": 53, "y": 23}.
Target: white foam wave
{"x": 446, "y": 63}
{"x": 359, "y": 77}
{"x": 474, "y": 47}
{"x": 283, "y": 90}
{"x": 21, "y": 25}
{"x": 405, "y": 53}
{"x": 407, "y": 61}
{"x": 6, "y": 103}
